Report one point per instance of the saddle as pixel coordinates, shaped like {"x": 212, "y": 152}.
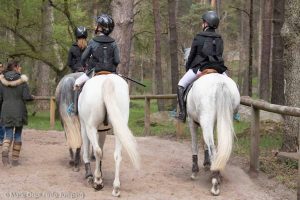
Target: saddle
{"x": 102, "y": 73}
{"x": 203, "y": 73}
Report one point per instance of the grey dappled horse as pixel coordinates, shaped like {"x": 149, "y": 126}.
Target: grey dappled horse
{"x": 64, "y": 96}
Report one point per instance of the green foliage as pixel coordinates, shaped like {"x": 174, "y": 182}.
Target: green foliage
{"x": 190, "y": 23}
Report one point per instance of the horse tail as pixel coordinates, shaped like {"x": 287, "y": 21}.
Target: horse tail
{"x": 71, "y": 124}
{"x": 225, "y": 128}
{"x": 120, "y": 126}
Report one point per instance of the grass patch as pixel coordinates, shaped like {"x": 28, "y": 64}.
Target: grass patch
{"x": 283, "y": 170}
{"x": 41, "y": 121}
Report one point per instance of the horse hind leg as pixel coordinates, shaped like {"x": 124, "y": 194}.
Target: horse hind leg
{"x": 216, "y": 182}
{"x": 195, "y": 149}
{"x": 85, "y": 156}
{"x": 71, "y": 162}
{"x": 118, "y": 158}
{"x": 94, "y": 138}
{"x": 207, "y": 128}
{"x": 76, "y": 160}
{"x": 206, "y": 162}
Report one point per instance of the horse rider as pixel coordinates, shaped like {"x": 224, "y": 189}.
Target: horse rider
{"x": 205, "y": 57}
{"x": 102, "y": 52}
{"x": 77, "y": 48}
{"x": 14, "y": 92}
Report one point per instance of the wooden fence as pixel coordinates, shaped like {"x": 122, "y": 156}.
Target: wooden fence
{"x": 256, "y": 106}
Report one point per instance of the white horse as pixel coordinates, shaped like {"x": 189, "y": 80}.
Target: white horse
{"x": 212, "y": 100}
{"x": 101, "y": 95}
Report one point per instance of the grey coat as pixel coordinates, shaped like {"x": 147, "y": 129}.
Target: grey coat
{"x": 14, "y": 91}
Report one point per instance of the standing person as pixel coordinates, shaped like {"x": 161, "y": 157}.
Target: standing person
{"x": 102, "y": 49}
{"x": 206, "y": 54}
{"x": 1, "y": 127}
{"x": 14, "y": 91}
{"x": 77, "y": 49}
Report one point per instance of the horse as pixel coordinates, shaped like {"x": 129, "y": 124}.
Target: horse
{"x": 64, "y": 96}
{"x": 212, "y": 101}
{"x": 105, "y": 98}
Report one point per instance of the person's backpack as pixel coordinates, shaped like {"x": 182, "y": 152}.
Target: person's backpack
{"x": 103, "y": 57}
{"x": 213, "y": 48}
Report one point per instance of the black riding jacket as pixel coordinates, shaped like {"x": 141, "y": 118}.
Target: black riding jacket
{"x": 206, "y": 52}
{"x": 74, "y": 57}
{"x": 92, "y": 48}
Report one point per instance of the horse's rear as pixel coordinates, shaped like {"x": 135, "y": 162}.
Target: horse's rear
{"x": 212, "y": 100}
{"x": 64, "y": 96}
{"x": 106, "y": 96}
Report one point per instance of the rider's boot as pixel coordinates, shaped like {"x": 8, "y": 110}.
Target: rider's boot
{"x": 5, "y": 151}
{"x": 182, "y": 110}
{"x": 16, "y": 153}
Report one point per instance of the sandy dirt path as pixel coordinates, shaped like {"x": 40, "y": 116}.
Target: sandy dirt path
{"x": 165, "y": 174}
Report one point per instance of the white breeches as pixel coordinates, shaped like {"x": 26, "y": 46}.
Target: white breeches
{"x": 81, "y": 80}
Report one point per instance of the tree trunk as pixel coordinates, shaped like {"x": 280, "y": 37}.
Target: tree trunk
{"x": 158, "y": 70}
{"x": 243, "y": 51}
{"x": 43, "y": 82}
{"x": 173, "y": 47}
{"x": 247, "y": 48}
{"x": 264, "y": 86}
{"x": 277, "y": 58}
{"x": 291, "y": 41}
{"x": 250, "y": 70}
{"x": 122, "y": 13}
{"x": 213, "y": 3}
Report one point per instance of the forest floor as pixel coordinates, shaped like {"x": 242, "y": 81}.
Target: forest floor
{"x": 165, "y": 172}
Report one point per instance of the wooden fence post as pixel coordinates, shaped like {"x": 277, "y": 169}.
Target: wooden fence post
{"x": 254, "y": 148}
{"x": 52, "y": 112}
{"x": 298, "y": 155}
{"x": 147, "y": 116}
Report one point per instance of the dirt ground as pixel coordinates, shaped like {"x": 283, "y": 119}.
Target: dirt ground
{"x": 44, "y": 173}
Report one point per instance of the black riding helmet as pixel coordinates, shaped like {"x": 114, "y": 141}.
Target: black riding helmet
{"x": 106, "y": 22}
{"x": 81, "y": 32}
{"x": 211, "y": 18}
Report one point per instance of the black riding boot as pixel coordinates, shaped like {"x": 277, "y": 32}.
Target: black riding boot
{"x": 182, "y": 110}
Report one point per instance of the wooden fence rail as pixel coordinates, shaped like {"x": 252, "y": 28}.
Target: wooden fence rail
{"x": 256, "y": 106}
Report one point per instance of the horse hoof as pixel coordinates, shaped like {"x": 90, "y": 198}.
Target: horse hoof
{"x": 90, "y": 180}
{"x": 194, "y": 175}
{"x": 116, "y": 192}
{"x": 98, "y": 187}
{"x": 215, "y": 190}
